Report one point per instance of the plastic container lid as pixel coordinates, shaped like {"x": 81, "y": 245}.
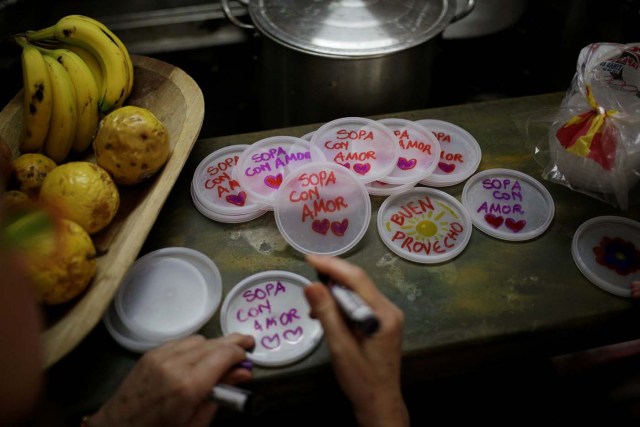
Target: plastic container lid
{"x": 364, "y": 146}
{"x": 168, "y": 294}
{"x": 424, "y": 225}
{"x": 322, "y": 209}
{"x": 459, "y": 157}
{"x": 379, "y": 188}
{"x": 213, "y": 188}
{"x": 604, "y": 249}
{"x": 227, "y": 218}
{"x": 271, "y": 306}
{"x": 419, "y": 152}
{"x": 122, "y": 335}
{"x": 508, "y": 204}
{"x": 263, "y": 166}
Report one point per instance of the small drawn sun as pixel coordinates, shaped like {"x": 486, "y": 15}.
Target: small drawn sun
{"x": 426, "y": 226}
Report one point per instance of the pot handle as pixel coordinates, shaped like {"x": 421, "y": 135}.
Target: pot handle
{"x": 471, "y": 4}
{"x": 235, "y": 21}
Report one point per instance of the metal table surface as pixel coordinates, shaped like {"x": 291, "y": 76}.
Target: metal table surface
{"x": 496, "y": 301}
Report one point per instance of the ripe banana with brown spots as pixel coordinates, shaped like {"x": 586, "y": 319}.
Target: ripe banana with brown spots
{"x": 37, "y": 98}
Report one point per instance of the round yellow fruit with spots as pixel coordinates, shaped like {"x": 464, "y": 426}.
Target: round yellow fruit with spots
{"x": 131, "y": 144}
{"x": 83, "y": 193}
{"x": 30, "y": 170}
{"x": 62, "y": 269}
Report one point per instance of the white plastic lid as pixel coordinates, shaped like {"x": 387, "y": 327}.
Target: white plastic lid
{"x": 424, "y": 225}
{"x": 272, "y": 308}
{"x": 379, "y": 188}
{"x": 460, "y": 154}
{"x": 508, "y": 204}
{"x": 168, "y": 294}
{"x": 227, "y": 218}
{"x": 419, "y": 151}
{"x": 605, "y": 249}
{"x": 122, "y": 335}
{"x": 322, "y": 209}
{"x": 361, "y": 145}
{"x": 263, "y": 166}
{"x": 213, "y": 188}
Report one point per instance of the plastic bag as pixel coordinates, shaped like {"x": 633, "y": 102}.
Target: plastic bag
{"x": 593, "y": 140}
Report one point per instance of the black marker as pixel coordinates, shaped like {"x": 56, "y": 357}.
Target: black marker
{"x": 354, "y": 307}
{"x": 234, "y": 398}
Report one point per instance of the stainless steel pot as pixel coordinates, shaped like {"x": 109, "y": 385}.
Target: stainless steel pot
{"x": 321, "y": 60}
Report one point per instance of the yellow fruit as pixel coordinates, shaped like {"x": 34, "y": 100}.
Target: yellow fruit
{"x": 30, "y": 170}
{"x": 131, "y": 144}
{"x": 14, "y": 199}
{"x": 62, "y": 270}
{"x": 82, "y": 192}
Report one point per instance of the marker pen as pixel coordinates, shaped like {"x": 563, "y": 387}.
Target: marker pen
{"x": 230, "y": 397}
{"x": 352, "y": 305}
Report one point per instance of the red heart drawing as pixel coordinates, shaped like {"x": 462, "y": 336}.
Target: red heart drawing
{"x": 514, "y": 225}
{"x": 362, "y": 168}
{"x": 494, "y": 221}
{"x": 270, "y": 343}
{"x": 446, "y": 167}
{"x": 293, "y": 335}
{"x": 339, "y": 228}
{"x": 237, "y": 199}
{"x": 273, "y": 181}
{"x": 320, "y": 226}
{"x": 346, "y": 165}
{"x": 406, "y": 164}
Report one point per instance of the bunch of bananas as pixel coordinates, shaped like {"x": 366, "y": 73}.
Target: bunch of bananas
{"x": 73, "y": 72}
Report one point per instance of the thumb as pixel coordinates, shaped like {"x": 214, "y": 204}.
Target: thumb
{"x": 325, "y": 309}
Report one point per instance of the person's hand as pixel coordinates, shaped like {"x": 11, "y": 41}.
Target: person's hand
{"x": 635, "y": 289}
{"x": 367, "y": 368}
{"x": 169, "y": 385}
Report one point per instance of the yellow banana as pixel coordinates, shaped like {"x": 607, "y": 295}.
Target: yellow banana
{"x": 36, "y": 100}
{"x": 64, "y": 114}
{"x": 113, "y": 62}
{"x": 89, "y": 59}
{"x": 87, "y": 95}
{"x": 120, "y": 44}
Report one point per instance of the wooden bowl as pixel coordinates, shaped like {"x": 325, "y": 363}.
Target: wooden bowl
{"x": 175, "y": 98}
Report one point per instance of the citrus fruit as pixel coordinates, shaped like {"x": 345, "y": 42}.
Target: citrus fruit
{"x": 62, "y": 270}
{"x": 131, "y": 144}
{"x": 82, "y": 192}
{"x": 30, "y": 170}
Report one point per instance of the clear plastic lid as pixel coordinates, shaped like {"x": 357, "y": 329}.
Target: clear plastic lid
{"x": 271, "y": 306}
{"x": 322, "y": 209}
{"x": 419, "y": 152}
{"x": 123, "y": 336}
{"x": 379, "y": 188}
{"x": 227, "y": 218}
{"x": 460, "y": 154}
{"x": 363, "y": 146}
{"x": 264, "y": 164}
{"x": 215, "y": 190}
{"x": 424, "y": 225}
{"x": 605, "y": 250}
{"x": 168, "y": 294}
{"x": 508, "y": 204}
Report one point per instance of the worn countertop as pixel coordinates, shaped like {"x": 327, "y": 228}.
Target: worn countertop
{"x": 497, "y": 300}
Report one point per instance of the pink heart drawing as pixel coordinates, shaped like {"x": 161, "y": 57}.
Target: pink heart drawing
{"x": 293, "y": 335}
{"x": 514, "y": 225}
{"x": 346, "y": 165}
{"x": 237, "y": 199}
{"x": 494, "y": 221}
{"x": 446, "y": 167}
{"x": 362, "y": 168}
{"x": 320, "y": 226}
{"x": 270, "y": 343}
{"x": 339, "y": 228}
{"x": 407, "y": 164}
{"x": 273, "y": 181}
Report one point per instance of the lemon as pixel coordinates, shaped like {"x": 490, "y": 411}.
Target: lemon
{"x": 131, "y": 144}
{"x": 82, "y": 192}
{"x": 62, "y": 268}
{"x": 30, "y": 170}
